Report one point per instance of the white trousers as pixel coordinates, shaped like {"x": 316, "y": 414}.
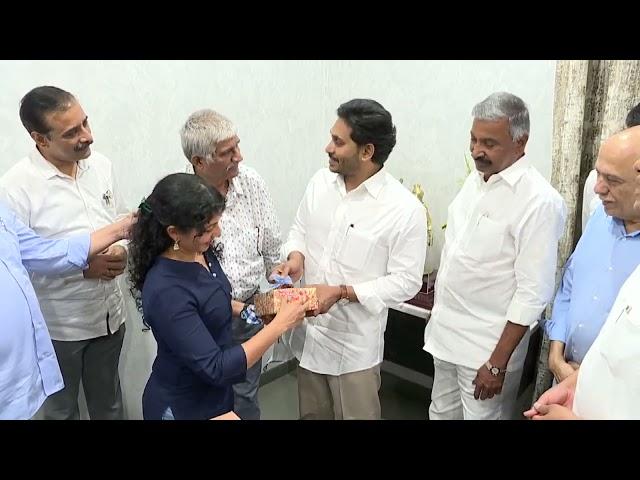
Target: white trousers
{"x": 452, "y": 395}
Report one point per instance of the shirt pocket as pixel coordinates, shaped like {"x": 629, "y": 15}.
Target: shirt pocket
{"x": 106, "y": 200}
{"x": 356, "y": 249}
{"x": 486, "y": 240}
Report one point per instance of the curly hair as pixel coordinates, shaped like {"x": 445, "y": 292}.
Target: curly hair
{"x": 180, "y": 199}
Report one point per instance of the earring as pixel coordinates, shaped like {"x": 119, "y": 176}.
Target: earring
{"x": 176, "y": 245}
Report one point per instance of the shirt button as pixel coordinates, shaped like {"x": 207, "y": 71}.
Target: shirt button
{"x": 595, "y": 297}
{"x": 610, "y": 269}
{"x": 580, "y": 325}
{"x": 214, "y": 275}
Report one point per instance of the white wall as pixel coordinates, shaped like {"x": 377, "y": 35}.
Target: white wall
{"x": 284, "y": 110}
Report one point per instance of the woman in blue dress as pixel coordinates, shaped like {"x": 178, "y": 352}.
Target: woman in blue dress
{"x": 186, "y": 301}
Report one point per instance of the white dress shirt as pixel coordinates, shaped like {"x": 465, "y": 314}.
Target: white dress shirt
{"x": 498, "y": 264}
{"x": 373, "y": 238}
{"x": 609, "y": 377}
{"x": 56, "y": 205}
{"x": 250, "y": 233}
{"x": 590, "y": 199}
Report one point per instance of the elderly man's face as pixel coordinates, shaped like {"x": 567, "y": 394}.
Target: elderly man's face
{"x": 492, "y": 147}
{"x": 223, "y": 162}
{"x": 616, "y": 182}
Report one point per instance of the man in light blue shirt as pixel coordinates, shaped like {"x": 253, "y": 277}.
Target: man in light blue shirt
{"x": 590, "y": 200}
{"x": 607, "y": 253}
{"x": 29, "y": 369}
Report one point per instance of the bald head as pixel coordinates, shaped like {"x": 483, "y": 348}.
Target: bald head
{"x": 634, "y": 136}
{"x": 625, "y": 145}
{"x": 616, "y": 184}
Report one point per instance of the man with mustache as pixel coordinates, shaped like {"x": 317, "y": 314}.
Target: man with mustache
{"x": 63, "y": 188}
{"x": 607, "y": 253}
{"x": 360, "y": 238}
{"x": 497, "y": 270}
{"x": 606, "y": 386}
{"x": 250, "y": 228}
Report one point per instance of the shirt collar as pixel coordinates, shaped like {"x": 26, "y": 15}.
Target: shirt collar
{"x": 617, "y": 228}
{"x": 373, "y": 185}
{"x": 48, "y": 170}
{"x": 511, "y": 174}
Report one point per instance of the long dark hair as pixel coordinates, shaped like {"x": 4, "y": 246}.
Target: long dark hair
{"x": 180, "y": 199}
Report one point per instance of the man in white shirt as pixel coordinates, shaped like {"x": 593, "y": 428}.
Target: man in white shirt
{"x": 360, "y": 237}
{"x": 607, "y": 384}
{"x": 590, "y": 199}
{"x": 250, "y": 227}
{"x": 62, "y": 189}
{"x": 497, "y": 271}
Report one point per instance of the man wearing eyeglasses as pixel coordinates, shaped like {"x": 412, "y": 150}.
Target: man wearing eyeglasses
{"x": 250, "y": 227}
{"x": 606, "y": 255}
{"x": 590, "y": 200}
{"x": 606, "y": 386}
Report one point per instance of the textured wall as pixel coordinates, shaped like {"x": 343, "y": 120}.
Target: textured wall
{"x": 284, "y": 110}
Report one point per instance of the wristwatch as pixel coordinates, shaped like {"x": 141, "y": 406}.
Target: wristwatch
{"x": 344, "y": 295}
{"x": 495, "y": 371}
